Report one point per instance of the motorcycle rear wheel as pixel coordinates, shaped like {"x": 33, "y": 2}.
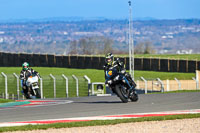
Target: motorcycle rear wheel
{"x": 134, "y": 97}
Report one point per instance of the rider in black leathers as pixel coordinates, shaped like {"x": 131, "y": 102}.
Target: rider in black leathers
{"x": 110, "y": 62}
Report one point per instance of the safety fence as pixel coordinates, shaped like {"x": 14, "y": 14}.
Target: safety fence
{"x": 157, "y": 85}
{"x": 62, "y": 86}
{"x": 51, "y": 86}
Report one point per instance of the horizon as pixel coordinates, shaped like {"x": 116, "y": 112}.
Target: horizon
{"x": 76, "y": 19}
{"x": 112, "y": 9}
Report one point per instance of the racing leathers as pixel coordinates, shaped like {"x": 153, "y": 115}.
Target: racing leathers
{"x": 120, "y": 69}
{"x": 24, "y": 74}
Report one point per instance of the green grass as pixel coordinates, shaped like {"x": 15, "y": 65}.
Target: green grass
{"x": 173, "y": 56}
{"x": 5, "y": 100}
{"x": 97, "y": 75}
{"x": 162, "y": 56}
{"x": 93, "y": 74}
{"x": 167, "y": 56}
{"x": 98, "y": 122}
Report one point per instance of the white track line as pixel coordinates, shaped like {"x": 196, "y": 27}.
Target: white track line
{"x": 109, "y": 117}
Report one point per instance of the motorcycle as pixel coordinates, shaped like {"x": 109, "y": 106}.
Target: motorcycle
{"x": 121, "y": 84}
{"x": 32, "y": 86}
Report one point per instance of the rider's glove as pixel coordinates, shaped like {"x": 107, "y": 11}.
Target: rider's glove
{"x": 109, "y": 82}
{"x": 123, "y": 71}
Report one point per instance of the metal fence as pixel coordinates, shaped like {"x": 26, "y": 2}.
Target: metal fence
{"x": 61, "y": 86}
{"x": 51, "y": 86}
{"x": 157, "y": 85}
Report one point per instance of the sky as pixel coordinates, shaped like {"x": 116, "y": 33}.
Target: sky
{"x": 111, "y": 9}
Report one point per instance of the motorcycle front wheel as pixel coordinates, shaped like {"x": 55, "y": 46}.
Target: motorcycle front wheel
{"x": 37, "y": 92}
{"x": 121, "y": 93}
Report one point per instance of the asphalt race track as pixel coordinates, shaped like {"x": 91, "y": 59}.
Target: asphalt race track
{"x": 98, "y": 106}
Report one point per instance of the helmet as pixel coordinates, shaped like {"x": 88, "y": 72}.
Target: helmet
{"x": 109, "y": 58}
{"x": 25, "y": 66}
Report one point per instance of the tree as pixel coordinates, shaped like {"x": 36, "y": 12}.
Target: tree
{"x": 144, "y": 48}
{"x": 149, "y": 49}
{"x": 83, "y": 46}
{"x": 73, "y": 46}
{"x": 139, "y": 48}
{"x": 107, "y": 45}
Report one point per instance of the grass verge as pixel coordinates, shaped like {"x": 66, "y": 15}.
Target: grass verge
{"x": 98, "y": 122}
{"x": 98, "y": 75}
{"x": 5, "y": 100}
{"x": 161, "y": 56}
{"x": 167, "y": 56}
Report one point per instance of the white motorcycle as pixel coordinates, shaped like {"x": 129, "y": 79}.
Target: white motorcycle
{"x": 33, "y": 86}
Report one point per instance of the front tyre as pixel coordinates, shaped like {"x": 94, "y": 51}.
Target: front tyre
{"x": 37, "y": 93}
{"x": 121, "y": 93}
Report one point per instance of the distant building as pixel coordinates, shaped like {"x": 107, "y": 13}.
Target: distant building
{"x": 184, "y": 51}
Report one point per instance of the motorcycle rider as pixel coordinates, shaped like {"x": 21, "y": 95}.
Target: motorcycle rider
{"x": 109, "y": 59}
{"x": 25, "y": 72}
{"x": 110, "y": 62}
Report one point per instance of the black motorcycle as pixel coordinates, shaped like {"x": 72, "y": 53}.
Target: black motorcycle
{"x": 121, "y": 84}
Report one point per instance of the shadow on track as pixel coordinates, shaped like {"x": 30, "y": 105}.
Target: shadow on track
{"x": 101, "y": 102}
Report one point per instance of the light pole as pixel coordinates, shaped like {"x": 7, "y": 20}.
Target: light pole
{"x": 130, "y": 41}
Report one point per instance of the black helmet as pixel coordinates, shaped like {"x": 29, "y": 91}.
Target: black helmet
{"x": 109, "y": 58}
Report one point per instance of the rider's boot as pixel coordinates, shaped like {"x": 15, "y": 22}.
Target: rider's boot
{"x": 25, "y": 91}
{"x": 128, "y": 76}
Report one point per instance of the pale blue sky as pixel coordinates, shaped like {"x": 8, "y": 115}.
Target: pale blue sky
{"x": 159, "y": 9}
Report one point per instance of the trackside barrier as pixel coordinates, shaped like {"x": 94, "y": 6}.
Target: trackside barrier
{"x": 179, "y": 84}
{"x": 77, "y": 92}
{"x": 94, "y": 88}
{"x": 17, "y": 77}
{"x": 167, "y": 85}
{"x": 6, "y": 85}
{"x": 89, "y": 83}
{"x": 138, "y": 84}
{"x": 97, "y": 83}
{"x": 162, "y": 85}
{"x": 41, "y": 88}
{"x": 145, "y": 81}
{"x": 197, "y": 82}
{"x": 197, "y": 78}
{"x": 54, "y": 84}
{"x": 67, "y": 88}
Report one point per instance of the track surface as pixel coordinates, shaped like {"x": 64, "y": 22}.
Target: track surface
{"x": 98, "y": 106}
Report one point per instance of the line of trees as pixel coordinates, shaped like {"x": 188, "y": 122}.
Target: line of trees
{"x": 84, "y": 46}
{"x": 91, "y": 46}
{"x": 144, "y": 48}
{"x": 102, "y": 45}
